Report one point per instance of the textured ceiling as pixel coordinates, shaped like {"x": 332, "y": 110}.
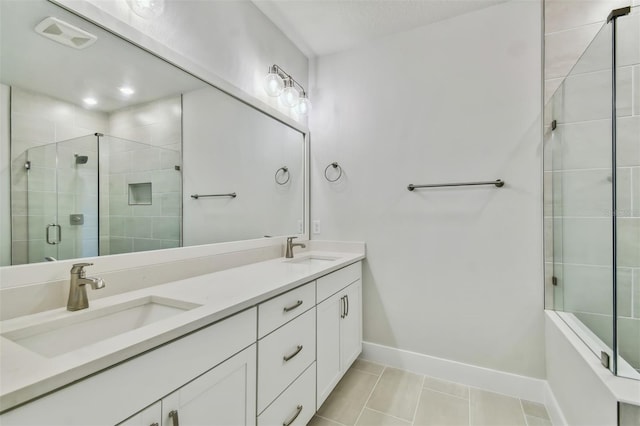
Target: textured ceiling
{"x": 322, "y": 27}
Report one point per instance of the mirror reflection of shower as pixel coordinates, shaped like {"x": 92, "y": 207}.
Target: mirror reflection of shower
{"x": 127, "y": 200}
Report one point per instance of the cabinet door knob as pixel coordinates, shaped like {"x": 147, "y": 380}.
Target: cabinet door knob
{"x": 294, "y": 417}
{"x": 174, "y": 416}
{"x": 292, "y": 307}
{"x": 296, "y": 352}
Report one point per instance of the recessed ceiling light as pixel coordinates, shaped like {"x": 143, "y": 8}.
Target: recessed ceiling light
{"x": 90, "y": 101}
{"x": 127, "y": 91}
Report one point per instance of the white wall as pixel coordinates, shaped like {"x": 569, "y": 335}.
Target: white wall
{"x": 451, "y": 273}
{"x": 232, "y": 39}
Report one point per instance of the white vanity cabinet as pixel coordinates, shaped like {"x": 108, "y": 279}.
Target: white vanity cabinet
{"x": 339, "y": 327}
{"x": 272, "y": 364}
{"x": 115, "y": 394}
{"x": 224, "y": 395}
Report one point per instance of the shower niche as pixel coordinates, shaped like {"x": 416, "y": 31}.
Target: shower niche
{"x": 92, "y": 195}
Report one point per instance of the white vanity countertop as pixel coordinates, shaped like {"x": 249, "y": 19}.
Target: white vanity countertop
{"x": 25, "y": 375}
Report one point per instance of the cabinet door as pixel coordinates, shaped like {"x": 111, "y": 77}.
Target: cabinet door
{"x": 328, "y": 346}
{"x": 150, "y": 416}
{"x": 351, "y": 326}
{"x": 224, "y": 396}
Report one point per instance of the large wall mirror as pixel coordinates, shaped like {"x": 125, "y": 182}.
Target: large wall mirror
{"x": 114, "y": 150}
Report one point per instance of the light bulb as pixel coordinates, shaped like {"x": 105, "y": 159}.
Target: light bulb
{"x": 90, "y": 101}
{"x": 147, "y": 8}
{"x": 290, "y": 95}
{"x": 304, "y": 106}
{"x": 273, "y": 84}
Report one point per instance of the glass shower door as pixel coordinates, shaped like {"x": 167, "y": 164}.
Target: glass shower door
{"x": 42, "y": 204}
{"x": 582, "y": 209}
{"x": 62, "y": 200}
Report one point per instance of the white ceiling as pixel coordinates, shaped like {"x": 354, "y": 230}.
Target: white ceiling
{"x": 33, "y": 62}
{"x": 322, "y": 27}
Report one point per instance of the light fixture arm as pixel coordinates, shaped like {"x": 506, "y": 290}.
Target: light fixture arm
{"x": 286, "y": 76}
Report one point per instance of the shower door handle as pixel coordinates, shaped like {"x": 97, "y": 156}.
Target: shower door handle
{"x": 58, "y": 236}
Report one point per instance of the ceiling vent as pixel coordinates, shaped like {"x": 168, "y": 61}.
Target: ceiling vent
{"x": 65, "y": 33}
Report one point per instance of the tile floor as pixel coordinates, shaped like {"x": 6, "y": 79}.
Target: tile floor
{"x": 374, "y": 395}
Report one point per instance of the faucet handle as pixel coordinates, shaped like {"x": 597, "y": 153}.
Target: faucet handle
{"x": 290, "y": 239}
{"x": 79, "y": 267}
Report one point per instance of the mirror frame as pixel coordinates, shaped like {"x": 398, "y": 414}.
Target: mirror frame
{"x": 18, "y": 275}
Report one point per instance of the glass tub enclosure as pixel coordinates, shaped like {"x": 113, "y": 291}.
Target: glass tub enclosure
{"x": 592, "y": 195}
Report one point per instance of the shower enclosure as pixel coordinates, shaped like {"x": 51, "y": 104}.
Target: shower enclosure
{"x": 98, "y": 195}
{"x": 592, "y": 195}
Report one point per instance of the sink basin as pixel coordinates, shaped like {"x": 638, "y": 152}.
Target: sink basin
{"x": 79, "y": 329}
{"x": 312, "y": 260}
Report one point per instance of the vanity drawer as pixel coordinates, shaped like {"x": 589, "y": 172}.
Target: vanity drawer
{"x": 279, "y": 310}
{"x": 335, "y": 281}
{"x": 296, "y": 406}
{"x": 283, "y": 355}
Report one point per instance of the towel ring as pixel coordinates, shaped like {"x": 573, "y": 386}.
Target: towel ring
{"x": 285, "y": 170}
{"x": 335, "y": 165}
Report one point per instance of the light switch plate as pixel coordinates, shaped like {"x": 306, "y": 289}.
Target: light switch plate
{"x": 316, "y": 227}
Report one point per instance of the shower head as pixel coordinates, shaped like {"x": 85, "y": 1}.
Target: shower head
{"x": 81, "y": 159}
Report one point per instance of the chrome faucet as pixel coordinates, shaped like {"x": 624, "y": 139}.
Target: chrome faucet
{"x": 77, "y": 290}
{"x": 290, "y": 246}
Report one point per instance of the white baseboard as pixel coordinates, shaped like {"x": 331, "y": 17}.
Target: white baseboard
{"x": 553, "y": 408}
{"x": 528, "y": 388}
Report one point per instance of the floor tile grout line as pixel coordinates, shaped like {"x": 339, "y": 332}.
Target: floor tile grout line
{"x": 523, "y": 413}
{"x": 447, "y": 394}
{"x": 415, "y": 410}
{"x": 387, "y": 414}
{"x": 470, "y": 406}
{"x": 367, "y": 372}
{"x": 331, "y": 420}
{"x": 369, "y": 397}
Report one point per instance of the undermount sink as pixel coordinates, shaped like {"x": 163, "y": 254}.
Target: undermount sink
{"x": 80, "y": 329}
{"x": 312, "y": 260}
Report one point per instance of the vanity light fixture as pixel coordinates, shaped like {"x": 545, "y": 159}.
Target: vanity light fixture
{"x": 147, "y": 9}
{"x": 291, "y": 93}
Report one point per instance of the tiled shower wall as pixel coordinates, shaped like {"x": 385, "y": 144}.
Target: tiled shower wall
{"x": 39, "y": 120}
{"x": 577, "y": 172}
{"x": 157, "y": 162}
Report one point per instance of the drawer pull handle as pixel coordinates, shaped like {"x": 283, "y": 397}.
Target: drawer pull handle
{"x": 294, "y": 417}
{"x": 343, "y": 307}
{"x": 292, "y": 307}
{"x": 297, "y": 351}
{"x": 347, "y": 299}
{"x": 154, "y": 424}
{"x": 174, "y": 416}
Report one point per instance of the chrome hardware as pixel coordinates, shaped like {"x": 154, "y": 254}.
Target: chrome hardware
{"x": 343, "y": 307}
{"x": 27, "y": 165}
{"x": 290, "y": 246}
{"x": 335, "y": 166}
{"x": 47, "y": 233}
{"x": 285, "y": 171}
{"x": 604, "y": 359}
{"x": 292, "y": 307}
{"x": 294, "y": 417}
{"x": 231, "y": 194}
{"x": 77, "y": 288}
{"x": 296, "y": 352}
{"x": 50, "y": 259}
{"x": 173, "y": 415}
{"x": 154, "y": 424}
{"x": 499, "y": 183}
